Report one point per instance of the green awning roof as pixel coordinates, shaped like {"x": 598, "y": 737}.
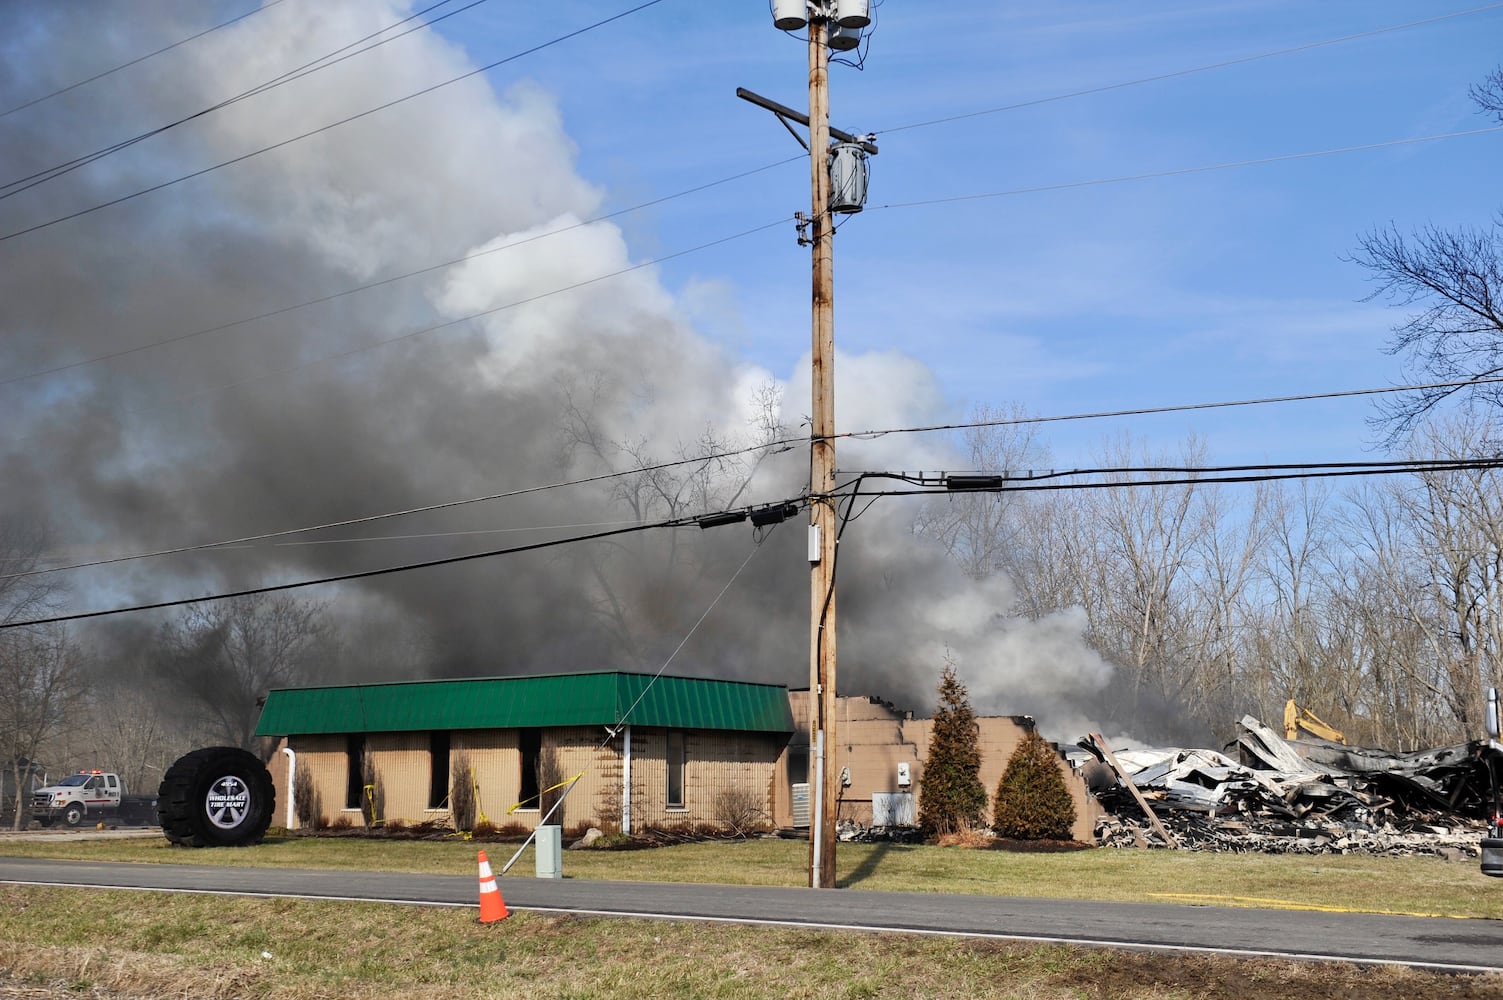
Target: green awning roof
{"x": 594, "y": 699}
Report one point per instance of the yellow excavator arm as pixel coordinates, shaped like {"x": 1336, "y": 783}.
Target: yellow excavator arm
{"x": 1301, "y": 720}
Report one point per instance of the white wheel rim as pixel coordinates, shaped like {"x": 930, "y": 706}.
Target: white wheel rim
{"x": 228, "y": 802}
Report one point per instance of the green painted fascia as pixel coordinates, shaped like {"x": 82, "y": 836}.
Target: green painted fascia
{"x": 590, "y": 699}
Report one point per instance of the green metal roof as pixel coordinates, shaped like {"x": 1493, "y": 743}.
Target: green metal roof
{"x": 593, "y": 699}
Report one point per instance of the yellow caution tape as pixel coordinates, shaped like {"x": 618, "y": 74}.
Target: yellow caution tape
{"x": 538, "y": 797}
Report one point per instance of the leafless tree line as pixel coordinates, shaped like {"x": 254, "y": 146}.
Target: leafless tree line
{"x": 1377, "y": 606}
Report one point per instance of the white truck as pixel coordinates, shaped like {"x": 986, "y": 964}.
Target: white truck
{"x": 91, "y": 796}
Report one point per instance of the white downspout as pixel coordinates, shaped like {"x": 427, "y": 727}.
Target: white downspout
{"x": 291, "y": 786}
{"x": 626, "y": 782}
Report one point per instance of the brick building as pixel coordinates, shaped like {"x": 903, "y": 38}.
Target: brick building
{"x": 647, "y": 752}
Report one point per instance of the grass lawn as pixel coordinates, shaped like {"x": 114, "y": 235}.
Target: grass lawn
{"x": 63, "y": 943}
{"x": 67, "y": 943}
{"x": 1427, "y": 886}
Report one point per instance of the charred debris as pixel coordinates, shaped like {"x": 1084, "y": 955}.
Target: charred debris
{"x": 1299, "y": 794}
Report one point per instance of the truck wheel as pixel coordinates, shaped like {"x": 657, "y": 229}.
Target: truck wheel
{"x": 216, "y": 797}
{"x": 74, "y": 814}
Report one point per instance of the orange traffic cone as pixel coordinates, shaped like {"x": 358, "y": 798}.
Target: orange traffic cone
{"x": 492, "y": 906}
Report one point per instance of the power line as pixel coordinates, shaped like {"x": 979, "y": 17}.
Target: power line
{"x": 1207, "y": 476}
{"x": 139, "y": 59}
{"x": 783, "y": 444}
{"x": 273, "y": 373}
{"x": 1006, "y": 477}
{"x": 1189, "y": 170}
{"x": 1338, "y": 471}
{"x": 345, "y": 577}
{"x": 322, "y": 62}
{"x": 1037, "y": 189}
{"x": 324, "y": 128}
{"x": 428, "y": 269}
{"x": 430, "y": 508}
{"x": 611, "y": 732}
{"x": 1175, "y": 408}
{"x": 1188, "y": 72}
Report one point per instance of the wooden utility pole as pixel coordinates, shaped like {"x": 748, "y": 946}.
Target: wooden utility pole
{"x": 822, "y": 519}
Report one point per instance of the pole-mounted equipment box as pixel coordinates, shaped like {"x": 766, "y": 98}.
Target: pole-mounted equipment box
{"x": 848, "y": 174}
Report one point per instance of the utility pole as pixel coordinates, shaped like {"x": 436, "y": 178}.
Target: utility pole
{"x": 822, "y": 473}
{"x": 833, "y": 24}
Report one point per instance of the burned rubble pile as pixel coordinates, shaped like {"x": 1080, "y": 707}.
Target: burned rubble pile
{"x": 1293, "y": 796}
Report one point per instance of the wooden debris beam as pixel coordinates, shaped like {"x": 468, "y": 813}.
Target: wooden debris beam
{"x": 1111, "y": 760}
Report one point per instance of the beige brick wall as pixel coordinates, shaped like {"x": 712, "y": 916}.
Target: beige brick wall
{"x": 713, "y": 762}
{"x": 872, "y": 738}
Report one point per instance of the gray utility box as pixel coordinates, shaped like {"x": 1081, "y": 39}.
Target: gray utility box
{"x": 549, "y": 844}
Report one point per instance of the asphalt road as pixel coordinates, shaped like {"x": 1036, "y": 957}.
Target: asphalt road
{"x": 1470, "y": 945}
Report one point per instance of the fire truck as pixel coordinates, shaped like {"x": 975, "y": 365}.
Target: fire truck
{"x": 91, "y": 795}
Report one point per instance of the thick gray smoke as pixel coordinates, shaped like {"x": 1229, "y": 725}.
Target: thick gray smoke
{"x": 302, "y": 419}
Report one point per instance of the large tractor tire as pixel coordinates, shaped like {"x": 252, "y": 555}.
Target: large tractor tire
{"x": 216, "y": 797}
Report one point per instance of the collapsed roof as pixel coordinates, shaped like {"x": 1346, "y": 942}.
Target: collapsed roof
{"x": 1306, "y": 794}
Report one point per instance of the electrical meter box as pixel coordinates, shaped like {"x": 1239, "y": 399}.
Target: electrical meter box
{"x": 904, "y": 779}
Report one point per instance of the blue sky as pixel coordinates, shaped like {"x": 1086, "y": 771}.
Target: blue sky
{"x": 1220, "y": 285}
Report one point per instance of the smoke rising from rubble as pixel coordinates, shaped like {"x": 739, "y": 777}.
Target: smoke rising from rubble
{"x": 247, "y": 430}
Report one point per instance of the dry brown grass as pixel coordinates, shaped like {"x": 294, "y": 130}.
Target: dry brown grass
{"x": 113, "y": 944}
{"x": 975, "y": 840}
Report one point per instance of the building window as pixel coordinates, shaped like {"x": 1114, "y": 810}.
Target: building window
{"x": 530, "y": 742}
{"x": 354, "y": 776}
{"x": 438, "y": 774}
{"x": 675, "y": 756}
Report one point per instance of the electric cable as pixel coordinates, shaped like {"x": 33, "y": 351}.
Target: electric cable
{"x": 30, "y": 181}
{"x": 346, "y": 577}
{"x": 1398, "y": 465}
{"x": 1461, "y": 465}
{"x": 1208, "y": 476}
{"x": 273, "y": 373}
{"x": 674, "y": 522}
{"x": 1181, "y": 171}
{"x": 428, "y": 269}
{"x": 425, "y": 535}
{"x": 1037, "y": 189}
{"x": 139, "y": 59}
{"x": 1173, "y": 408}
{"x": 349, "y": 522}
{"x": 331, "y": 125}
{"x": 611, "y": 732}
{"x": 780, "y": 443}
{"x": 1191, "y": 71}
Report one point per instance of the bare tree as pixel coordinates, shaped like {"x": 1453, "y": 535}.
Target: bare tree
{"x": 636, "y": 583}
{"x": 41, "y": 686}
{"x": 1148, "y": 533}
{"x": 226, "y": 655}
{"x": 1488, "y": 95}
{"x": 1455, "y": 277}
{"x": 1457, "y": 520}
{"x": 983, "y": 532}
{"x": 1226, "y": 553}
